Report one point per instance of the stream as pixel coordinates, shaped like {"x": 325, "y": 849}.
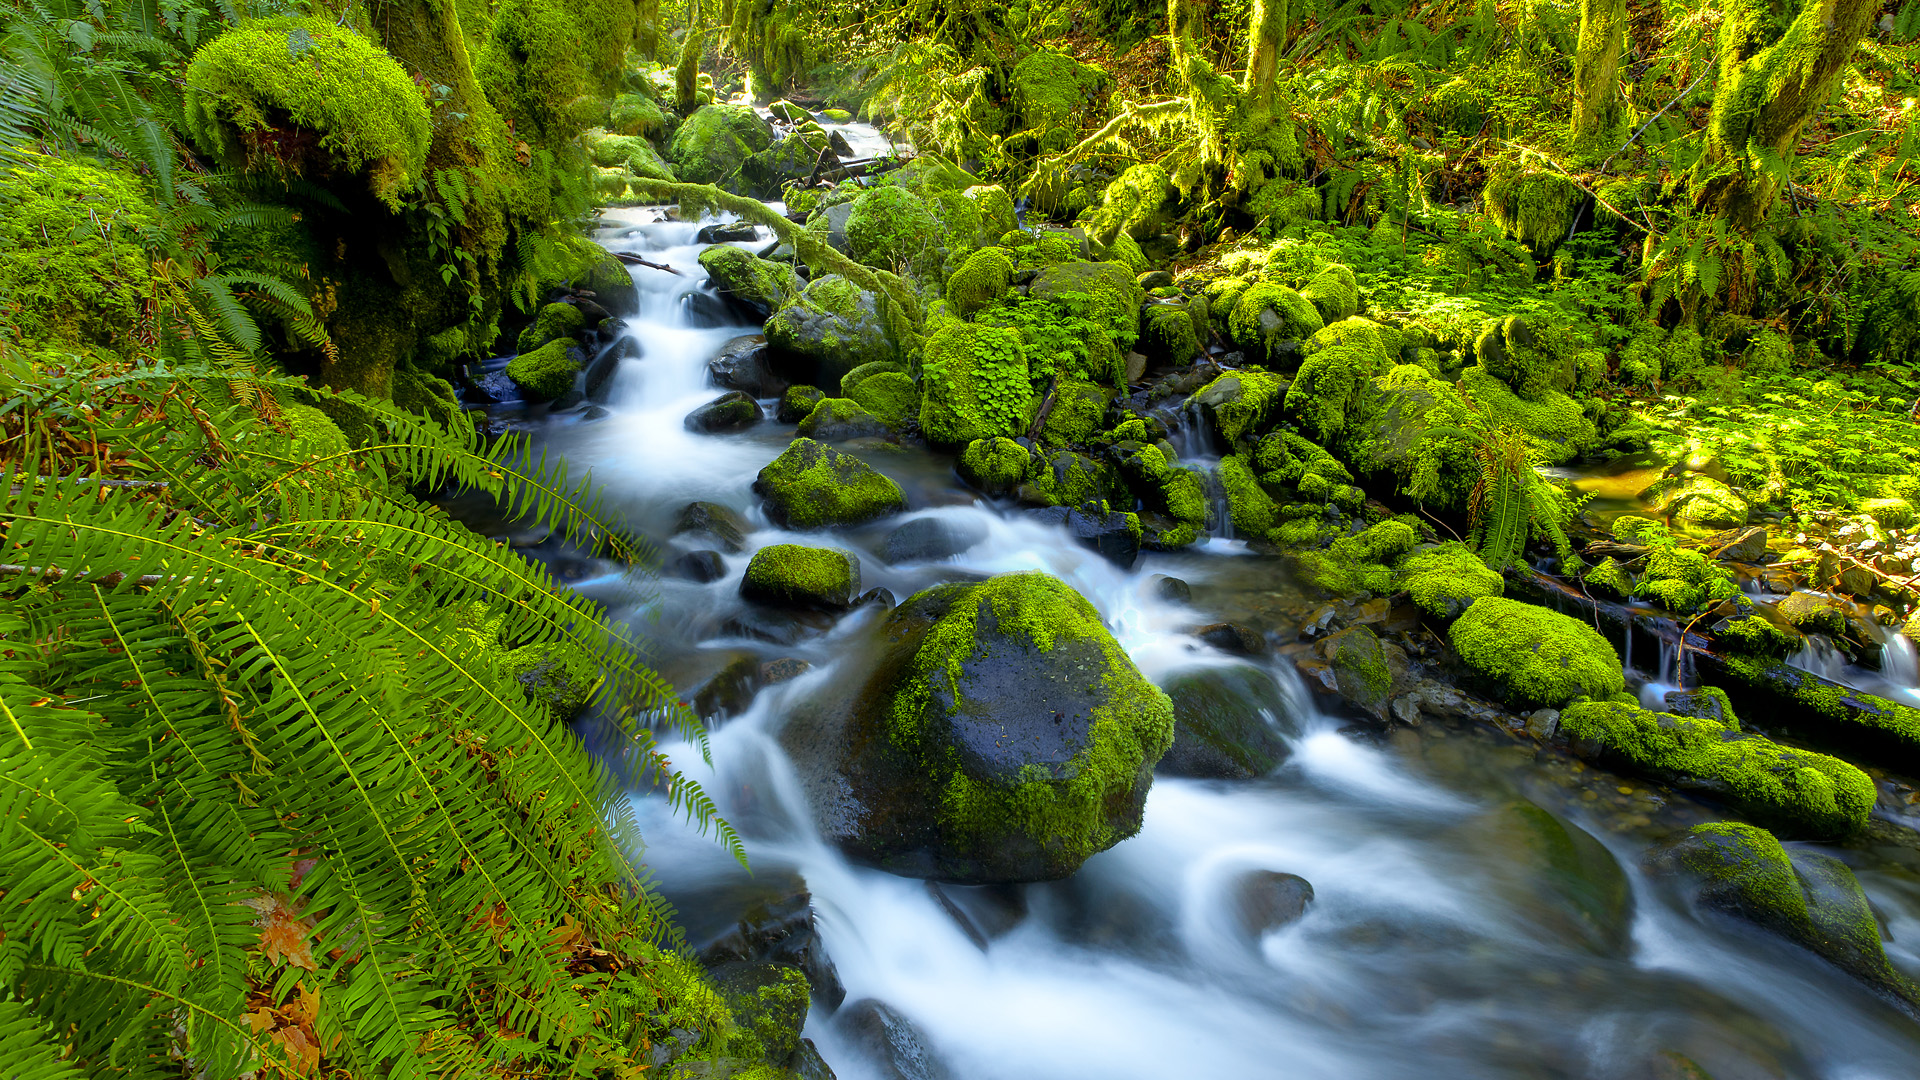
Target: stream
{"x": 1440, "y": 941}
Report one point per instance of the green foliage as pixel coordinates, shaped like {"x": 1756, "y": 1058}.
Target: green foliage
{"x": 976, "y": 383}
{"x": 265, "y": 776}
{"x": 72, "y": 266}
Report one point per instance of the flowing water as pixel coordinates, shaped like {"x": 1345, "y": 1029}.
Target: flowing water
{"x": 1440, "y": 941}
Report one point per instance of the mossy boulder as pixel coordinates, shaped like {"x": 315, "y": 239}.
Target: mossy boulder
{"x": 813, "y": 486}
{"x": 832, "y": 327}
{"x": 975, "y": 384}
{"x": 994, "y": 465}
{"x": 1108, "y": 295}
{"x": 1334, "y": 293}
{"x": 1240, "y": 405}
{"x": 1170, "y": 333}
{"x": 840, "y": 419}
{"x": 711, "y": 145}
{"x": 793, "y": 158}
{"x": 1533, "y": 657}
{"x": 892, "y": 228}
{"x": 1164, "y": 486}
{"x": 1001, "y": 735}
{"x": 1807, "y": 897}
{"x": 768, "y": 1003}
{"x": 552, "y": 323}
{"x": 790, "y": 575}
{"x": 1067, "y": 478}
{"x": 1051, "y": 93}
{"x": 797, "y": 402}
{"x": 1558, "y": 428}
{"x": 996, "y": 210}
{"x": 427, "y": 395}
{"x": 548, "y": 371}
{"x": 1230, "y": 722}
{"x": 1333, "y": 390}
{"x": 1697, "y": 501}
{"x": 890, "y": 395}
{"x": 72, "y": 269}
{"x": 1267, "y": 317}
{"x": 1358, "y": 663}
{"x": 1252, "y": 511}
{"x": 983, "y": 279}
{"x": 308, "y": 97}
{"x": 554, "y": 674}
{"x": 637, "y": 114}
{"x": 1079, "y": 407}
{"x": 1445, "y": 580}
{"x": 1797, "y": 791}
{"x": 1360, "y": 563}
{"x": 760, "y": 285}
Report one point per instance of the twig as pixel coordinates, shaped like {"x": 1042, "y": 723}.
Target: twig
{"x": 109, "y": 579}
{"x": 635, "y": 260}
{"x": 1708, "y": 70}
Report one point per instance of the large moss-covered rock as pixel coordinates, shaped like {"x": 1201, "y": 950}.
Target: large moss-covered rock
{"x": 792, "y": 575}
{"x": 71, "y": 265}
{"x": 975, "y": 384}
{"x": 761, "y": 285}
{"x": 711, "y": 145}
{"x": 1230, "y": 722}
{"x": 1078, "y": 410}
{"x": 984, "y": 278}
{"x": 890, "y": 395}
{"x": 554, "y": 321}
{"x": 1697, "y": 501}
{"x": 548, "y": 371}
{"x": 1797, "y": 791}
{"x": 1535, "y": 657}
{"x": 1334, "y": 293}
{"x": 1173, "y": 331}
{"x": 891, "y": 228}
{"x": 1252, "y": 511}
{"x": 1445, "y": 580}
{"x": 306, "y": 96}
{"x": 1267, "y": 317}
{"x": 840, "y": 419}
{"x": 1807, "y": 897}
{"x": 1051, "y": 92}
{"x": 832, "y": 327}
{"x": 1000, "y": 735}
{"x": 1240, "y": 404}
{"x": 1108, "y": 294}
{"x": 813, "y": 486}
{"x": 636, "y": 114}
{"x": 994, "y": 465}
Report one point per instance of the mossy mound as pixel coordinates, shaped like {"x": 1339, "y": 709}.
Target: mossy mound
{"x": 1558, "y": 428}
{"x": 253, "y": 89}
{"x": 1797, "y": 791}
{"x": 984, "y": 278}
{"x": 1360, "y": 563}
{"x": 1066, "y": 478}
{"x": 761, "y": 284}
{"x": 890, "y": 395}
{"x": 712, "y": 144}
{"x": 636, "y": 114}
{"x": 832, "y": 327}
{"x": 1266, "y": 316}
{"x": 1077, "y": 411}
{"x": 1104, "y": 293}
{"x": 1239, "y": 404}
{"x": 994, "y": 465}
{"x": 1252, "y": 511}
{"x": 1165, "y": 487}
{"x": 797, "y": 402}
{"x": 1535, "y": 657}
{"x": 791, "y": 575}
{"x": 1445, "y": 580}
{"x": 1696, "y": 501}
{"x": 975, "y": 384}
{"x": 553, "y": 323}
{"x": 1169, "y": 332}
{"x": 1333, "y": 388}
{"x": 1334, "y": 293}
{"x": 1050, "y": 93}
{"x": 814, "y": 486}
{"x": 71, "y": 266}
{"x": 891, "y": 228}
{"x": 840, "y": 419}
{"x": 1807, "y": 897}
{"x": 1002, "y": 736}
{"x": 548, "y": 371}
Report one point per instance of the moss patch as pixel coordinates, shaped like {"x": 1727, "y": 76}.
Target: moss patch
{"x": 1533, "y": 656}
{"x": 1445, "y": 580}
{"x": 71, "y": 265}
{"x": 790, "y": 575}
{"x": 814, "y": 486}
{"x": 546, "y": 372}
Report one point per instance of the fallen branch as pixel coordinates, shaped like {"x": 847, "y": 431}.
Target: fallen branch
{"x": 635, "y": 260}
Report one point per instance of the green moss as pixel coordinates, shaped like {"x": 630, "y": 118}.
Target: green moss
{"x": 1555, "y": 423}
{"x": 1360, "y": 563}
{"x": 1078, "y": 408}
{"x": 1694, "y": 501}
{"x": 1132, "y": 206}
{"x": 637, "y": 114}
{"x": 547, "y": 372}
{"x": 1890, "y": 513}
{"x": 715, "y": 141}
{"x": 1332, "y": 389}
{"x": 252, "y": 87}
{"x": 1535, "y": 657}
{"x": 1807, "y": 793}
{"x": 1265, "y": 315}
{"x": 1360, "y": 666}
{"x": 834, "y": 419}
{"x": 1168, "y": 333}
{"x": 975, "y": 384}
{"x": 1534, "y": 207}
{"x": 1532, "y": 361}
{"x": 72, "y": 269}
{"x": 1756, "y": 635}
{"x": 760, "y": 283}
{"x": 813, "y": 486}
{"x": 1104, "y": 293}
{"x": 893, "y": 229}
{"x": 889, "y": 395}
{"x": 995, "y": 464}
{"x": 1250, "y": 507}
{"x": 554, "y": 323}
{"x": 1334, "y": 293}
{"x": 1069, "y": 809}
{"x": 996, "y": 210}
{"x": 1284, "y": 459}
{"x": 1163, "y": 485}
{"x": 790, "y": 575}
{"x": 1826, "y": 712}
{"x": 1050, "y": 94}
{"x": 1609, "y": 578}
{"x": 1240, "y": 403}
{"x": 983, "y": 279}
{"x": 1070, "y": 479}
{"x": 549, "y": 66}
{"x": 1445, "y": 580}
{"x": 428, "y": 395}
{"x": 554, "y": 674}
{"x": 797, "y": 402}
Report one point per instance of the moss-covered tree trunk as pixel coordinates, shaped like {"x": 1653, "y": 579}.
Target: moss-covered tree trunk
{"x": 1266, "y": 34}
{"x": 1596, "y": 66}
{"x": 686, "y": 77}
{"x": 1780, "y": 60}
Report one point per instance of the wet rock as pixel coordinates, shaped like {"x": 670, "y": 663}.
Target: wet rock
{"x": 768, "y": 1000}
{"x": 797, "y": 402}
{"x": 1807, "y": 897}
{"x": 705, "y": 310}
{"x": 813, "y": 486}
{"x": 611, "y": 284}
{"x": 732, "y": 411}
{"x": 712, "y": 519}
{"x": 984, "y": 913}
{"x": 758, "y": 286}
{"x": 832, "y": 327}
{"x": 1747, "y": 546}
{"x": 785, "y": 669}
{"x": 791, "y": 575}
{"x": 1265, "y": 900}
{"x": 1706, "y": 702}
{"x": 710, "y": 145}
{"x": 1358, "y": 665}
{"x": 1115, "y": 535}
{"x": 1229, "y": 722}
{"x": 1554, "y": 874}
{"x": 1239, "y": 404}
{"x": 1530, "y": 656}
{"x": 1814, "y": 613}
{"x": 807, "y": 1064}
{"x": 781, "y": 931}
{"x": 968, "y": 753}
{"x": 1171, "y": 589}
{"x": 877, "y": 596}
{"x": 1231, "y": 639}
{"x": 781, "y": 626}
{"x": 1543, "y": 724}
{"x": 598, "y": 376}
{"x": 700, "y": 566}
{"x": 1696, "y": 501}
{"x": 890, "y": 1042}
{"x": 841, "y": 420}
{"x": 743, "y": 364}
{"x": 729, "y": 691}
{"x": 1322, "y": 621}
{"x": 726, "y": 232}
{"x": 929, "y": 538}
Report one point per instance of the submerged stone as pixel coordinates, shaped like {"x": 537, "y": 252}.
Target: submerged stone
{"x": 999, "y": 735}
{"x": 1229, "y": 722}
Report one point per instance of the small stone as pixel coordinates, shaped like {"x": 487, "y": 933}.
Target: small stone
{"x": 1542, "y": 724}
{"x": 713, "y": 520}
{"x": 700, "y": 566}
{"x": 1171, "y": 589}
{"x": 785, "y": 669}
{"x": 1266, "y": 900}
{"x": 732, "y": 411}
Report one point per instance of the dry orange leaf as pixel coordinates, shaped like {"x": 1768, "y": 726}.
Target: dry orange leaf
{"x": 284, "y": 935}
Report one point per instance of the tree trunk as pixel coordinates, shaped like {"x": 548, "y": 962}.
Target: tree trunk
{"x": 1596, "y": 64}
{"x": 1779, "y": 62}
{"x": 686, "y": 77}
{"x": 1268, "y": 30}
